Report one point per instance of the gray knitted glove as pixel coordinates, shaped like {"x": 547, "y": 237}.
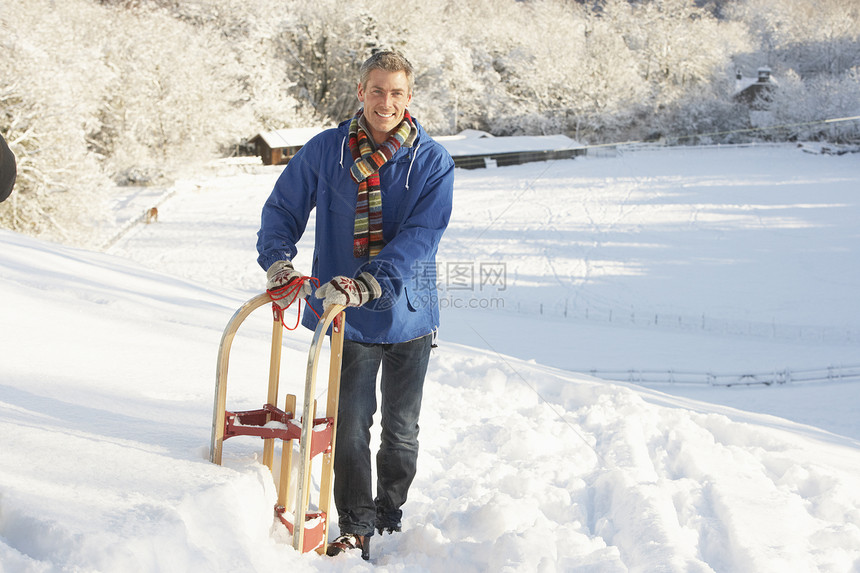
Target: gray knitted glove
{"x": 281, "y": 274}
{"x": 349, "y": 292}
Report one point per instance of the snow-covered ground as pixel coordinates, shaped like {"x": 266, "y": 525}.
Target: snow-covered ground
{"x": 727, "y": 261}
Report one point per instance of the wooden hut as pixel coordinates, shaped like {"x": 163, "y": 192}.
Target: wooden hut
{"x": 756, "y": 92}
{"x": 278, "y": 147}
{"x": 473, "y": 149}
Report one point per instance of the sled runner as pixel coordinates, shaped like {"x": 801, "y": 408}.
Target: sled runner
{"x": 316, "y": 436}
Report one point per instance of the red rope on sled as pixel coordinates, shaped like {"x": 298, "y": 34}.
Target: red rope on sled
{"x": 290, "y": 293}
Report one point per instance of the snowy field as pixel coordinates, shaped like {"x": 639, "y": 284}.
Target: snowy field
{"x": 731, "y": 261}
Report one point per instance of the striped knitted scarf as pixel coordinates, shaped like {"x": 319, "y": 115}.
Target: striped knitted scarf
{"x": 367, "y": 234}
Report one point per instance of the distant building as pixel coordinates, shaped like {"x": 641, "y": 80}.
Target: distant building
{"x": 756, "y": 93}
{"x": 278, "y": 147}
{"x": 472, "y": 149}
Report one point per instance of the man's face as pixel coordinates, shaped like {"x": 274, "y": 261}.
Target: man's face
{"x": 385, "y": 98}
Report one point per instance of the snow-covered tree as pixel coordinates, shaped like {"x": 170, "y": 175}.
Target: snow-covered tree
{"x": 49, "y": 89}
{"x": 320, "y": 47}
{"x": 800, "y": 106}
{"x": 808, "y": 37}
{"x": 166, "y": 105}
{"x": 678, "y": 46}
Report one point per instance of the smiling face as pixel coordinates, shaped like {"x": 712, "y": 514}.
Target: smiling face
{"x": 385, "y": 96}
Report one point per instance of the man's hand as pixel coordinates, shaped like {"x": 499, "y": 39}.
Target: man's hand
{"x": 349, "y": 292}
{"x": 281, "y": 274}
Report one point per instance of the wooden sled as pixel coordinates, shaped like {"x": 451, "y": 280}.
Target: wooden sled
{"x": 310, "y": 531}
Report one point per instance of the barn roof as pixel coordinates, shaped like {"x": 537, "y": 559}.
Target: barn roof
{"x": 764, "y": 77}
{"x": 465, "y": 146}
{"x": 465, "y": 134}
{"x": 293, "y": 137}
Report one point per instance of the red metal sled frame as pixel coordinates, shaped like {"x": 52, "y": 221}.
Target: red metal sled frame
{"x": 310, "y": 531}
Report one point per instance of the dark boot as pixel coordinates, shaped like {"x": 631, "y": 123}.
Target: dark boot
{"x": 348, "y": 542}
{"x": 388, "y": 520}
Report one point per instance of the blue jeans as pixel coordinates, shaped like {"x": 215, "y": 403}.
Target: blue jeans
{"x": 403, "y": 368}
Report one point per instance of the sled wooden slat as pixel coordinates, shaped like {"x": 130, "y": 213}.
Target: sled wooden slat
{"x": 274, "y": 378}
{"x": 303, "y": 493}
{"x": 220, "y": 407}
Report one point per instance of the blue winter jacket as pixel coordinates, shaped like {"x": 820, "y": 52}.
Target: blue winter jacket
{"x": 417, "y": 192}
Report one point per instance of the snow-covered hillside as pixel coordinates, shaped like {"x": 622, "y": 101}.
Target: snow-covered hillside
{"x": 526, "y": 464}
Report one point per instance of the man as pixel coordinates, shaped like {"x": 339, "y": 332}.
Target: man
{"x": 8, "y": 171}
{"x": 382, "y": 189}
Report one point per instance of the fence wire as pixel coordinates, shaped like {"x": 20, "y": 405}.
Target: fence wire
{"x": 777, "y": 377}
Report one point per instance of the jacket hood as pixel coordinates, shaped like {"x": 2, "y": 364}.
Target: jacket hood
{"x": 403, "y": 154}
